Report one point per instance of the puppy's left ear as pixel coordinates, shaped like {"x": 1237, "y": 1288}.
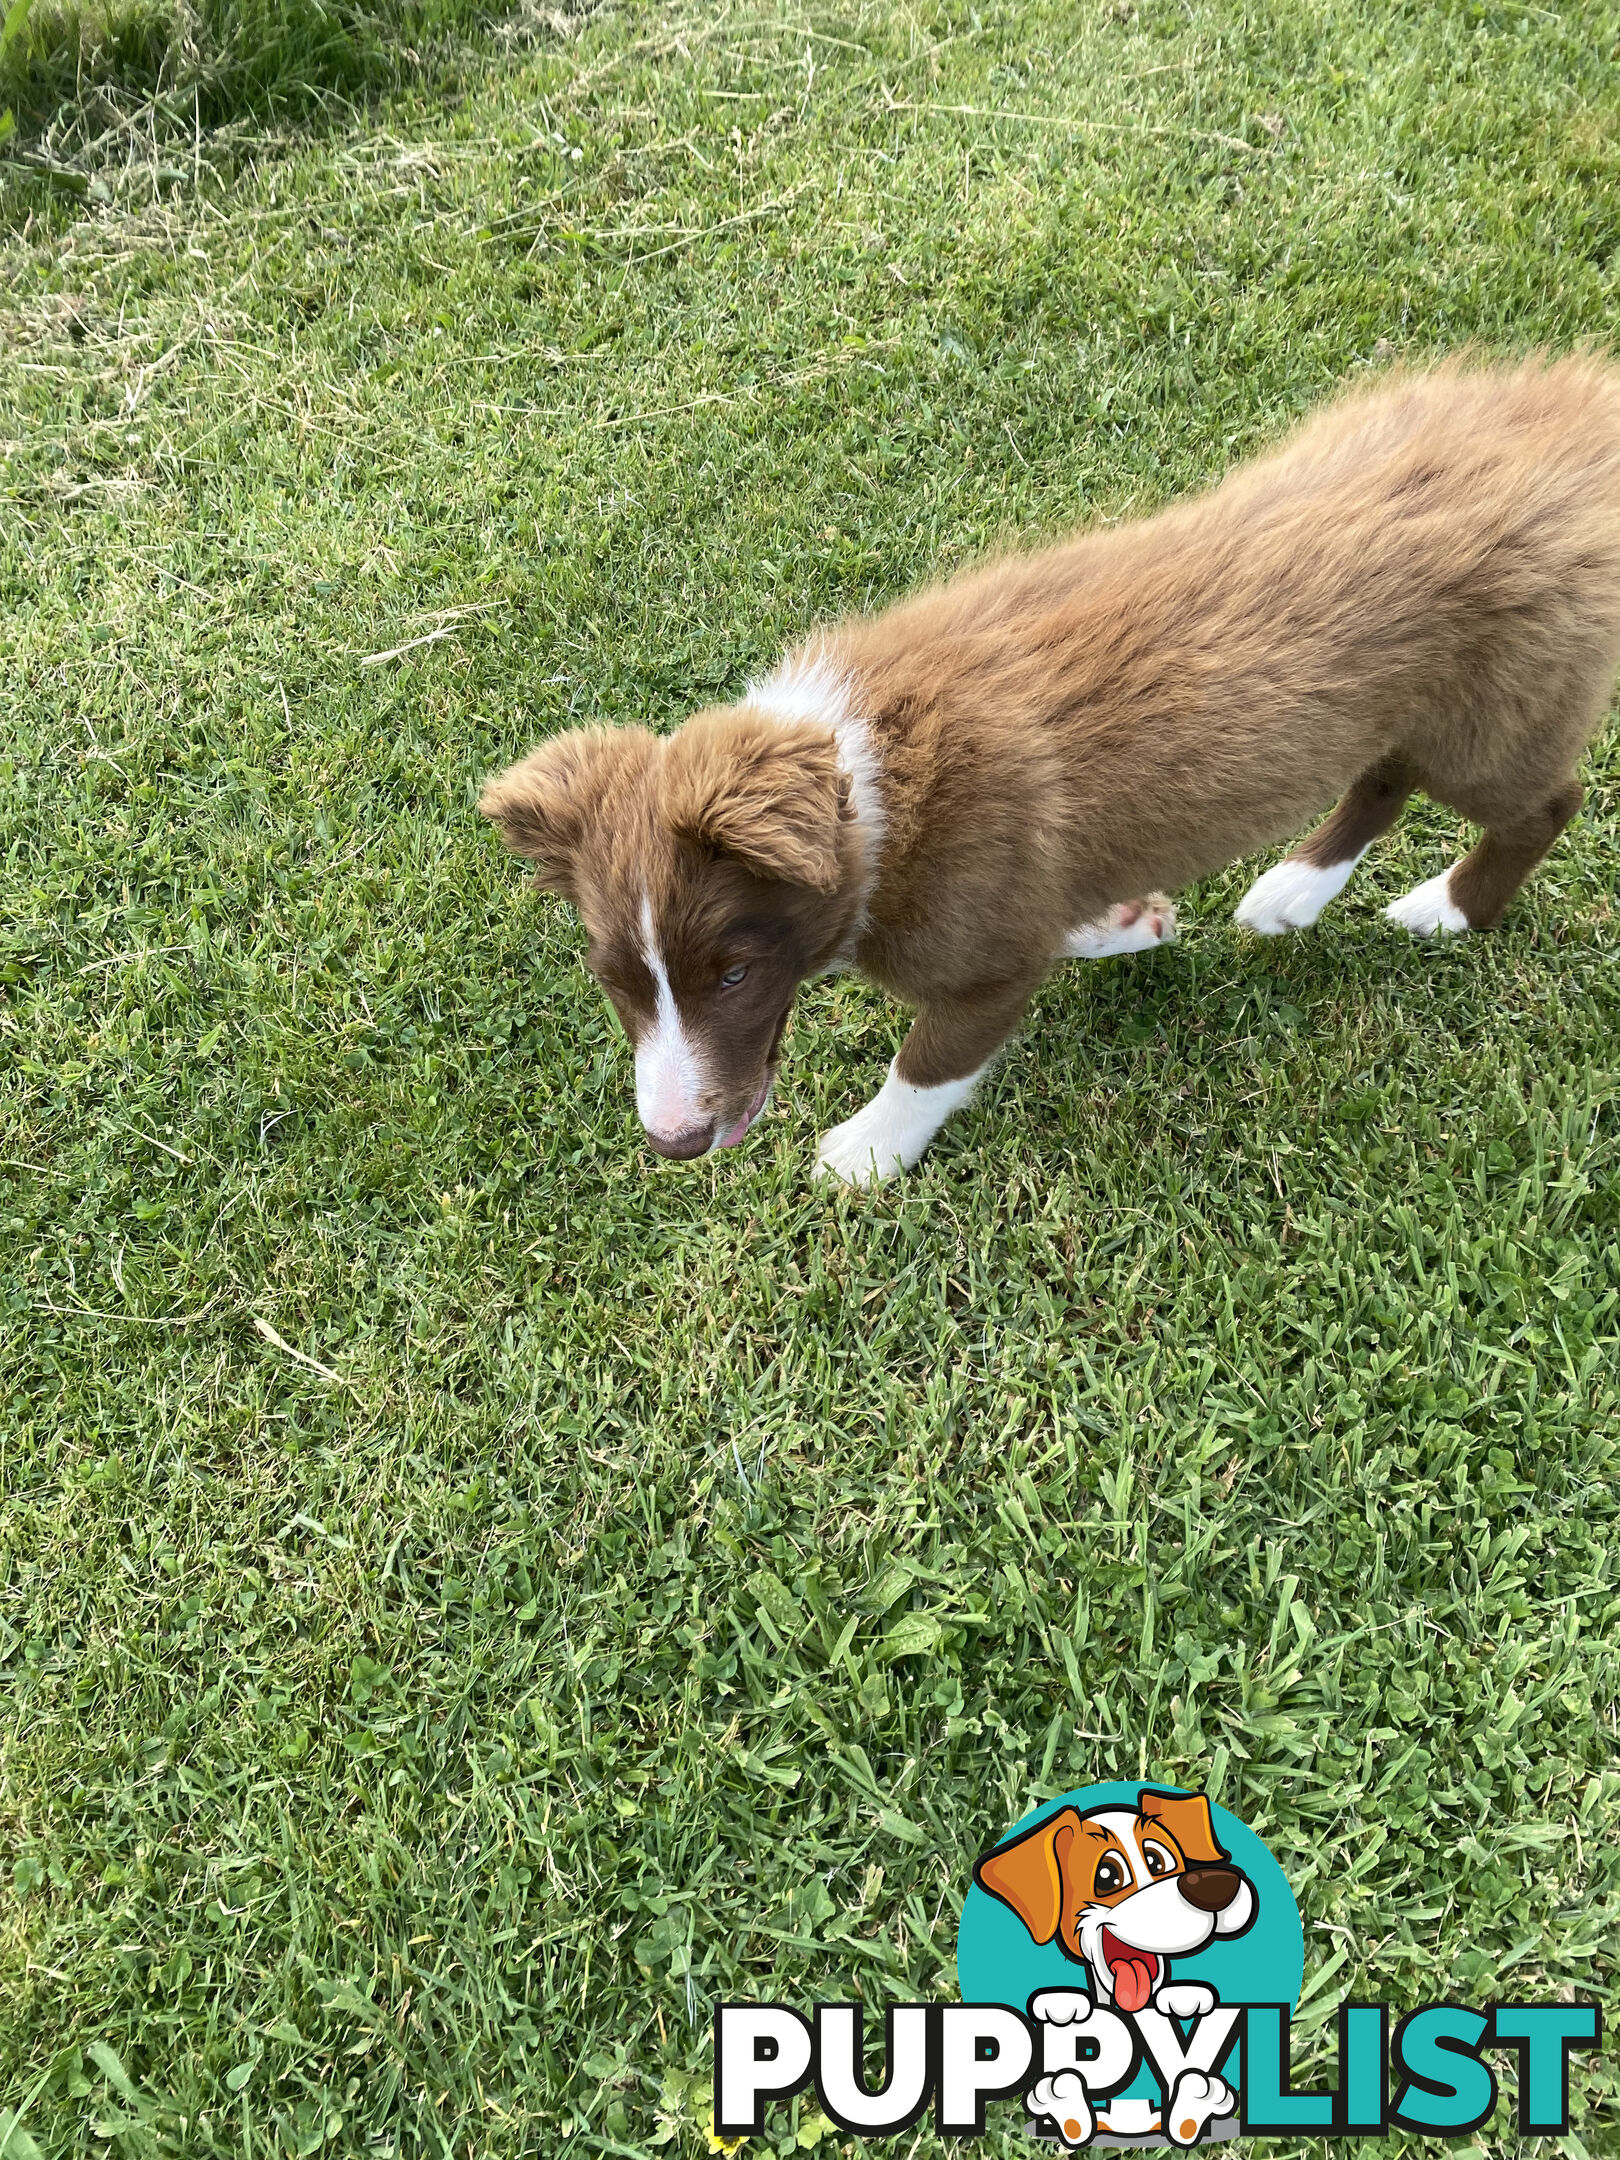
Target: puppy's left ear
{"x": 1187, "y": 1818}
{"x": 770, "y": 793}
{"x": 1028, "y": 1873}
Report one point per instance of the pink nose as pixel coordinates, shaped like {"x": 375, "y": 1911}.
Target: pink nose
{"x": 682, "y": 1146}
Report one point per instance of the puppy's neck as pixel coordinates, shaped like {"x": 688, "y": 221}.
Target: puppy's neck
{"x": 813, "y": 684}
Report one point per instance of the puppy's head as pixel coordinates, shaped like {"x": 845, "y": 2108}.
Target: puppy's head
{"x": 1123, "y": 1889}
{"x": 714, "y": 870}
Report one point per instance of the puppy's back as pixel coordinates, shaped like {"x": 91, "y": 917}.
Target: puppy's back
{"x": 1429, "y": 566}
{"x": 1470, "y": 488}
{"x": 1513, "y": 473}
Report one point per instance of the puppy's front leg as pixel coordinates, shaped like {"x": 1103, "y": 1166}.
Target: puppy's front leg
{"x": 940, "y": 1063}
{"x": 892, "y": 1131}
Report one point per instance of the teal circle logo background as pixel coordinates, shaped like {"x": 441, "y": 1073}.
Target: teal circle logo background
{"x": 998, "y": 1961}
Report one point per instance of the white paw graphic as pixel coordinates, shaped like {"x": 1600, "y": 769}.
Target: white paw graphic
{"x": 1429, "y": 908}
{"x": 1132, "y": 926}
{"x": 1290, "y": 896}
{"x": 1185, "y": 1999}
{"x": 1199, "y": 2099}
{"x": 1061, "y": 2006}
{"x": 1062, "y": 2101}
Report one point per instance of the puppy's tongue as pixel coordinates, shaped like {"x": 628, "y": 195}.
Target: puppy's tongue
{"x": 734, "y": 1133}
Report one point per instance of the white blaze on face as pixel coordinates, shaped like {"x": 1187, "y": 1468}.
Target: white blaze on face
{"x": 669, "y": 1078}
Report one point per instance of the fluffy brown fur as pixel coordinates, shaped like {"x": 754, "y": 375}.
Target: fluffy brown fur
{"x": 1419, "y": 590}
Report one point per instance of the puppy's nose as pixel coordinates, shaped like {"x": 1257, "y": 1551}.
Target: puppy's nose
{"x": 682, "y": 1146}
{"x": 1211, "y": 1889}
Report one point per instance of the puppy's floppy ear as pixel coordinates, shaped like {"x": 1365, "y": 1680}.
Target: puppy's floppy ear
{"x": 1028, "y": 1873}
{"x": 768, "y": 792}
{"x": 545, "y": 803}
{"x": 1187, "y": 1818}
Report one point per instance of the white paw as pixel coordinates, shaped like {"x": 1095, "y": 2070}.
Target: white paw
{"x": 1063, "y": 2102}
{"x": 1428, "y": 908}
{"x": 1290, "y": 896}
{"x": 891, "y": 1133}
{"x": 1132, "y": 926}
{"x": 1199, "y": 2099}
{"x": 1061, "y": 2006}
{"x": 1185, "y": 1999}
{"x": 855, "y": 1152}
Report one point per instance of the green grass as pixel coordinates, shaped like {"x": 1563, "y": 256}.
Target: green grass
{"x": 103, "y": 82}
{"x": 405, "y": 1762}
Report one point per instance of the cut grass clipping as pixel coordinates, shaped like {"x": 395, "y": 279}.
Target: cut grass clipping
{"x": 470, "y": 1598}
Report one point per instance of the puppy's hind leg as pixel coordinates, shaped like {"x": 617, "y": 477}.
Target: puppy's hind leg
{"x": 1472, "y": 894}
{"x": 1293, "y": 894}
{"x": 1132, "y": 926}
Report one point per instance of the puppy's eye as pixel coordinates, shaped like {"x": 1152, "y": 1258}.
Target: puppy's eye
{"x": 1110, "y": 1877}
{"x": 732, "y": 977}
{"x": 1158, "y": 1860}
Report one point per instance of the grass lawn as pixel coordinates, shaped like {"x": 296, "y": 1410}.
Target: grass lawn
{"x": 472, "y": 1597}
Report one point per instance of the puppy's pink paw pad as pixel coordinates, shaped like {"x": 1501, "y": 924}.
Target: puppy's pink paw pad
{"x": 1131, "y": 926}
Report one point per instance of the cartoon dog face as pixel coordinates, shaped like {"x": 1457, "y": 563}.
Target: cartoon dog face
{"x": 1123, "y": 1889}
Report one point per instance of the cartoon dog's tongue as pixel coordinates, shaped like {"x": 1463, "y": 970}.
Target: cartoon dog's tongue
{"x": 1133, "y": 1971}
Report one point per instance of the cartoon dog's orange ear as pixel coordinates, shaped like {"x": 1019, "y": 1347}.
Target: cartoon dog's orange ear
{"x": 770, "y": 793}
{"x": 1187, "y": 1818}
{"x": 1028, "y": 1873}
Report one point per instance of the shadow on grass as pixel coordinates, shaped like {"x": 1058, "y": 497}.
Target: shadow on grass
{"x": 103, "y": 87}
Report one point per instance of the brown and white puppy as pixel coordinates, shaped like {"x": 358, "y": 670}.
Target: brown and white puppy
{"x": 1419, "y": 590}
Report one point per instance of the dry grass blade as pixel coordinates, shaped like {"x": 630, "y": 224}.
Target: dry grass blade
{"x": 299, "y": 1357}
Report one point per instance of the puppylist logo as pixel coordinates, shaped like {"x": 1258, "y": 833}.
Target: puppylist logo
{"x": 1130, "y": 1958}
{"x": 1115, "y": 1916}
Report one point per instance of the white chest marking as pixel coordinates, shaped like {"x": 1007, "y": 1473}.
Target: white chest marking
{"x": 669, "y": 1073}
